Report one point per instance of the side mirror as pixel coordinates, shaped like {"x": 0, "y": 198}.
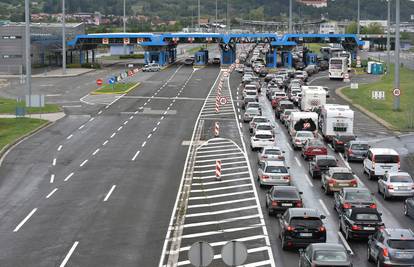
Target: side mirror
{"x": 323, "y": 217}
{"x": 380, "y": 213}
{"x": 300, "y": 193}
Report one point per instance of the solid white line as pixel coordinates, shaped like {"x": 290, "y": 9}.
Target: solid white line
{"x": 52, "y": 178}
{"x": 343, "y": 240}
{"x": 345, "y": 162}
{"x": 149, "y": 136}
{"x": 324, "y": 207}
{"x": 72, "y": 249}
{"x": 83, "y": 163}
{"x": 109, "y": 193}
{"x": 81, "y": 127}
{"x": 207, "y": 160}
{"x": 143, "y": 144}
{"x": 221, "y": 195}
{"x": 59, "y": 148}
{"x": 298, "y": 162}
{"x": 104, "y": 143}
{"x": 218, "y": 150}
{"x": 69, "y": 137}
{"x": 219, "y": 203}
{"x": 69, "y": 176}
{"x": 95, "y": 152}
{"x": 219, "y": 188}
{"x": 112, "y": 135}
{"x": 54, "y": 162}
{"x": 135, "y": 156}
{"x": 120, "y": 128}
{"x": 51, "y": 193}
{"x": 24, "y": 220}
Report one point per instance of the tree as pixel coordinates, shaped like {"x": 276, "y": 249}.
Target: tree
{"x": 257, "y": 14}
{"x": 374, "y": 28}
{"x": 352, "y": 28}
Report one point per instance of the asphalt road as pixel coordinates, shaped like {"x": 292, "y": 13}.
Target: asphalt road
{"x": 98, "y": 191}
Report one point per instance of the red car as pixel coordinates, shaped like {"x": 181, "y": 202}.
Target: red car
{"x": 277, "y": 97}
{"x": 312, "y": 148}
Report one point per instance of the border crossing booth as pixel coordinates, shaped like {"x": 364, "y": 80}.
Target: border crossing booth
{"x": 287, "y": 59}
{"x": 201, "y": 58}
{"x": 311, "y": 59}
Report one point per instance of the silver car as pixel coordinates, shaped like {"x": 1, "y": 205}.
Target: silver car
{"x": 300, "y": 138}
{"x": 250, "y": 113}
{"x": 271, "y": 153}
{"x": 266, "y": 126}
{"x": 256, "y": 120}
{"x": 398, "y": 184}
{"x": 273, "y": 173}
{"x": 254, "y": 105}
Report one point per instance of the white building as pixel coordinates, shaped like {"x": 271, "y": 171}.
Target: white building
{"x": 315, "y": 3}
{"x": 331, "y": 27}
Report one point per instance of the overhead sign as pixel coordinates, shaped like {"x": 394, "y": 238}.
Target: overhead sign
{"x": 396, "y": 92}
{"x": 105, "y": 40}
{"x": 378, "y": 95}
{"x": 126, "y": 41}
{"x": 99, "y": 82}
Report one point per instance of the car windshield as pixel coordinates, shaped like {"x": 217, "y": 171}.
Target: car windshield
{"x": 264, "y": 127}
{"x": 253, "y": 112}
{"x": 327, "y": 162}
{"x": 254, "y": 105}
{"x": 367, "y": 217}
{"x": 287, "y": 112}
{"x": 401, "y": 244}
{"x": 250, "y": 93}
{"x": 358, "y": 195}
{"x": 273, "y": 152}
{"x": 276, "y": 169}
{"x": 305, "y": 134}
{"x": 342, "y": 176}
{"x": 387, "y": 159}
{"x": 330, "y": 255}
{"x": 280, "y": 193}
{"x": 311, "y": 222}
{"x": 360, "y": 146}
{"x": 401, "y": 179}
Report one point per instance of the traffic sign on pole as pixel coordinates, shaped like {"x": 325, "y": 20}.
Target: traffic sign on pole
{"x": 234, "y": 253}
{"x": 99, "y": 82}
{"x": 396, "y": 92}
{"x": 223, "y": 100}
{"x": 200, "y": 254}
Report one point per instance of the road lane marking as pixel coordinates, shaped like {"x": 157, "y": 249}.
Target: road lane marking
{"x": 72, "y": 249}
{"x": 112, "y": 135}
{"x": 109, "y": 193}
{"x": 308, "y": 180}
{"x": 104, "y": 143}
{"x": 25, "y": 220}
{"x": 69, "y": 137}
{"x": 221, "y": 181}
{"x": 91, "y": 119}
{"x": 154, "y": 129}
{"x": 54, "y": 162}
{"x": 226, "y": 169}
{"x": 120, "y": 128}
{"x": 81, "y": 127}
{"x": 324, "y": 207}
{"x": 221, "y": 195}
{"x": 218, "y": 150}
{"x": 60, "y": 148}
{"x": 135, "y": 156}
{"x": 223, "y": 231}
{"x": 219, "y": 155}
{"x": 298, "y": 162}
{"x": 69, "y": 176}
{"x": 220, "y": 203}
{"x": 125, "y": 122}
{"x": 83, "y": 163}
{"x": 51, "y": 193}
{"x": 223, "y": 175}
{"x": 149, "y": 136}
{"x": 222, "y": 243}
{"x": 162, "y": 118}
{"x": 131, "y": 117}
{"x": 222, "y": 159}
{"x": 95, "y": 152}
{"x": 144, "y": 143}
{"x": 100, "y": 112}
{"x": 219, "y": 188}
{"x": 52, "y": 178}
{"x": 214, "y": 147}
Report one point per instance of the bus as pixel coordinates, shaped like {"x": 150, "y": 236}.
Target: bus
{"x": 338, "y": 66}
{"x": 346, "y": 55}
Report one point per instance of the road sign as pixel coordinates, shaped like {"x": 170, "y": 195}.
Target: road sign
{"x": 99, "y": 82}
{"x": 354, "y": 85}
{"x": 130, "y": 65}
{"x": 378, "y": 95}
{"x": 396, "y": 92}
{"x": 130, "y": 73}
{"x": 111, "y": 80}
{"x": 200, "y": 254}
{"x": 105, "y": 41}
{"x": 223, "y": 100}
{"x": 234, "y": 253}
{"x": 306, "y": 125}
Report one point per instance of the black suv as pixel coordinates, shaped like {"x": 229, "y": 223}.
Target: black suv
{"x": 392, "y": 247}
{"x": 354, "y": 197}
{"x": 280, "y": 198}
{"x": 321, "y": 164}
{"x": 359, "y": 222}
{"x": 339, "y": 141}
{"x": 300, "y": 227}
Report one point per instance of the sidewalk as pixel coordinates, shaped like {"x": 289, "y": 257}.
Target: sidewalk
{"x": 57, "y": 73}
{"x": 45, "y": 116}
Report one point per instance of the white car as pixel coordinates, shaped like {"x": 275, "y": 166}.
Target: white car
{"x": 263, "y": 127}
{"x": 262, "y": 139}
{"x": 151, "y": 67}
{"x": 254, "y": 105}
{"x": 255, "y": 120}
{"x": 273, "y": 173}
{"x": 300, "y": 138}
{"x": 250, "y": 93}
{"x": 380, "y": 161}
{"x": 271, "y": 153}
{"x": 250, "y": 113}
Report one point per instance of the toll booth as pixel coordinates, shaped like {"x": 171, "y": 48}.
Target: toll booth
{"x": 311, "y": 59}
{"x": 160, "y": 57}
{"x": 287, "y": 59}
{"x": 201, "y": 58}
{"x": 271, "y": 59}
{"x": 228, "y": 54}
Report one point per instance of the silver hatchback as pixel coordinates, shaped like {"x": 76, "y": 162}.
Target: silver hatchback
{"x": 398, "y": 184}
{"x": 273, "y": 173}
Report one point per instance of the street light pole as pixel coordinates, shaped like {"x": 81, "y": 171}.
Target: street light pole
{"x": 199, "y": 22}
{"x": 358, "y": 18}
{"x": 124, "y": 24}
{"x": 290, "y": 16}
{"x": 397, "y": 55}
{"x": 63, "y": 38}
{"x": 216, "y": 13}
{"x": 388, "y": 37}
{"x": 228, "y": 15}
{"x": 28, "y": 55}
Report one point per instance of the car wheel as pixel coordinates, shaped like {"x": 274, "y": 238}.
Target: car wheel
{"x": 369, "y": 257}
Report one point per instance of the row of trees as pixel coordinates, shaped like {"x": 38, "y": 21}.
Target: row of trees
{"x": 372, "y": 28}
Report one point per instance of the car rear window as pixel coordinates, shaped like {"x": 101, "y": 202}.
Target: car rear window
{"x": 316, "y": 143}
{"x": 327, "y": 162}
{"x": 343, "y": 176}
{"x": 264, "y": 127}
{"x": 305, "y": 134}
{"x": 401, "y": 244}
{"x": 259, "y": 120}
{"x": 387, "y": 159}
{"x": 280, "y": 193}
{"x": 263, "y": 136}
{"x": 330, "y": 255}
{"x": 305, "y": 222}
{"x": 250, "y": 93}
{"x": 362, "y": 196}
{"x": 345, "y": 138}
{"x": 366, "y": 217}
{"x": 401, "y": 179}
{"x": 276, "y": 169}
{"x": 273, "y": 152}
{"x": 360, "y": 146}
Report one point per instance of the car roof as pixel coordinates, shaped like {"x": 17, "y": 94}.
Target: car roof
{"x": 285, "y": 102}
{"x": 327, "y": 246}
{"x": 399, "y": 174}
{"x": 296, "y": 212}
{"x": 398, "y": 233}
{"x": 259, "y": 117}
{"x": 388, "y": 151}
{"x": 354, "y": 189}
{"x": 358, "y": 142}
{"x": 339, "y": 169}
{"x": 263, "y": 132}
{"x": 275, "y": 163}
{"x": 272, "y": 147}
{"x": 364, "y": 210}
{"x": 285, "y": 187}
{"x": 324, "y": 157}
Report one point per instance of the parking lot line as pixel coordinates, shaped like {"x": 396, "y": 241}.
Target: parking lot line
{"x": 219, "y": 203}
{"x": 221, "y": 195}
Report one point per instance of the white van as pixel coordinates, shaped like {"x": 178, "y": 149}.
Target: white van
{"x": 381, "y": 160}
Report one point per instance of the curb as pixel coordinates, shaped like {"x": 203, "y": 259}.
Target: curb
{"x": 116, "y": 92}
{"x": 373, "y": 116}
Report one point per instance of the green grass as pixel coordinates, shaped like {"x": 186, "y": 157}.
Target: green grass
{"x": 117, "y": 88}
{"x": 315, "y": 47}
{"x": 12, "y": 129}
{"x": 8, "y": 106}
{"x": 402, "y": 119}
{"x": 193, "y": 50}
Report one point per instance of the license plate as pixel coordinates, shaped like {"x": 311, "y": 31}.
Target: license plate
{"x": 404, "y": 255}
{"x": 306, "y": 234}
{"x": 343, "y": 184}
{"x": 287, "y": 204}
{"x": 403, "y": 188}
{"x": 317, "y": 150}
{"x": 369, "y": 228}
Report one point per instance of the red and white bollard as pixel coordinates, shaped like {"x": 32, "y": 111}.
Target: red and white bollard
{"x": 217, "y": 106}
{"x": 216, "y": 129}
{"x": 218, "y": 169}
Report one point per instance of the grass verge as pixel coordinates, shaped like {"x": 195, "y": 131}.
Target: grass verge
{"x": 12, "y": 129}
{"x": 402, "y": 119}
{"x": 118, "y": 88}
{"x": 8, "y": 106}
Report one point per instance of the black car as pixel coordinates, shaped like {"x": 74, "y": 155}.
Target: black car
{"x": 409, "y": 207}
{"x": 356, "y": 150}
{"x": 323, "y": 65}
{"x": 282, "y": 105}
{"x": 324, "y": 254}
{"x": 280, "y": 198}
{"x": 339, "y": 141}
{"x": 351, "y": 197}
{"x": 359, "y": 222}
{"x": 300, "y": 227}
{"x": 321, "y": 164}
{"x": 392, "y": 247}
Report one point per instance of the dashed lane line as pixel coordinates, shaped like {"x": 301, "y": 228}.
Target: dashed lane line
{"x": 25, "y": 220}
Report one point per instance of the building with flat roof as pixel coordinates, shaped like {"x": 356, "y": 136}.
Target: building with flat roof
{"x": 46, "y": 44}
{"x": 314, "y": 3}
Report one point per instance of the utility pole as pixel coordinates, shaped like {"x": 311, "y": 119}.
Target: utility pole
{"x": 358, "y": 17}
{"x": 397, "y": 55}
{"x": 28, "y": 54}
{"x": 199, "y": 21}
{"x": 388, "y": 37}
{"x": 290, "y": 16}
{"x": 124, "y": 24}
{"x": 216, "y": 13}
{"x": 63, "y": 38}
{"x": 228, "y": 15}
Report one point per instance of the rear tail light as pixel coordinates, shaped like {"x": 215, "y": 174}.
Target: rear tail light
{"x": 265, "y": 177}
{"x": 339, "y": 142}
{"x": 356, "y": 227}
{"x": 346, "y": 206}
{"x": 287, "y": 177}
{"x": 385, "y": 252}
{"x": 290, "y": 228}
{"x": 322, "y": 229}
{"x": 373, "y": 206}
{"x": 390, "y": 186}
{"x": 264, "y": 157}
{"x": 331, "y": 181}
{"x": 354, "y": 182}
{"x": 350, "y": 151}
{"x": 299, "y": 204}
{"x": 274, "y": 203}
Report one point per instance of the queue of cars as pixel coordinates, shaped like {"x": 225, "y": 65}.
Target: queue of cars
{"x": 303, "y": 227}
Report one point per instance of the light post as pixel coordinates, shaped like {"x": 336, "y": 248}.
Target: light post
{"x": 397, "y": 57}
{"x": 28, "y": 54}
{"x": 388, "y": 37}
{"x": 63, "y": 38}
{"x": 290, "y": 16}
{"x": 358, "y": 18}
{"x": 198, "y": 10}
{"x": 228, "y": 15}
